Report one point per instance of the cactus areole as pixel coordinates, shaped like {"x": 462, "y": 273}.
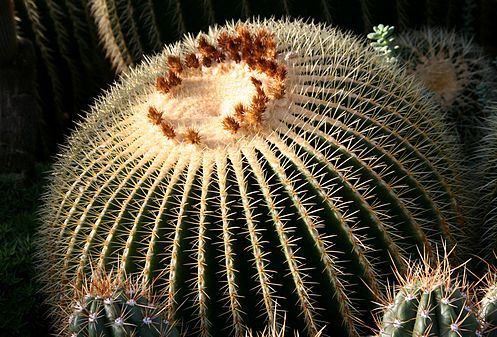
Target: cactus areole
{"x": 263, "y": 172}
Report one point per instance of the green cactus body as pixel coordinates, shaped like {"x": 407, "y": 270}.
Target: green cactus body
{"x": 488, "y": 312}
{"x": 119, "y": 311}
{"x": 430, "y": 302}
{"x": 268, "y": 167}
{"x": 456, "y": 70}
{"x": 486, "y": 161}
{"x": 430, "y": 312}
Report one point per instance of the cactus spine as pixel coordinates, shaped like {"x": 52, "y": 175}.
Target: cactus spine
{"x": 131, "y": 29}
{"x": 271, "y": 163}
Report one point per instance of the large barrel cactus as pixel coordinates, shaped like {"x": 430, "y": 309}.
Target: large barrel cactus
{"x": 264, "y": 171}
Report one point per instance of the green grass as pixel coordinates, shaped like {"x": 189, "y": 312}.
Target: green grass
{"x": 21, "y": 309}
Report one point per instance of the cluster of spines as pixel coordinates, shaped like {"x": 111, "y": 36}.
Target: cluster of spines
{"x": 257, "y": 51}
{"x": 117, "y": 309}
{"x": 430, "y": 301}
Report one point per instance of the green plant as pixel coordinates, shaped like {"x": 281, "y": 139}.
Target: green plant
{"x": 430, "y": 301}
{"x": 382, "y": 41}
{"x": 266, "y": 164}
{"x": 20, "y": 298}
{"x": 457, "y": 71}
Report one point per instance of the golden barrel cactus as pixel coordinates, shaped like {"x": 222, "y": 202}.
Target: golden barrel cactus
{"x": 267, "y": 170}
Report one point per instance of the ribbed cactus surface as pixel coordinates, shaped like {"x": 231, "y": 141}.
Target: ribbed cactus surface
{"x": 8, "y": 32}
{"x": 486, "y": 182}
{"x": 265, "y": 170}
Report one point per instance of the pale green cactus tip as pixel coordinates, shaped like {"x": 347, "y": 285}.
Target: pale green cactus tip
{"x": 383, "y": 41}
{"x": 430, "y": 299}
{"x": 264, "y": 164}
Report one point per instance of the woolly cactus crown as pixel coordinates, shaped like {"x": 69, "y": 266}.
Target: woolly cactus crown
{"x": 266, "y": 164}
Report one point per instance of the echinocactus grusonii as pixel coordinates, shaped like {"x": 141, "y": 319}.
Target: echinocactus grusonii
{"x": 267, "y": 166}
{"x": 457, "y": 71}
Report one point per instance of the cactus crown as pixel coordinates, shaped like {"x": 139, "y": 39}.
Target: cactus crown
{"x": 219, "y": 94}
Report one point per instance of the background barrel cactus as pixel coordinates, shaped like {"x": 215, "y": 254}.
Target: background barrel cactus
{"x": 268, "y": 166}
{"x": 457, "y": 71}
{"x": 486, "y": 181}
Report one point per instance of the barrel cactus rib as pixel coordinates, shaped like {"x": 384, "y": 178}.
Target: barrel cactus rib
{"x": 180, "y": 238}
{"x": 385, "y": 188}
{"x": 284, "y": 229}
{"x": 228, "y": 242}
{"x": 201, "y": 288}
{"x": 116, "y": 49}
{"x": 147, "y": 25}
{"x": 347, "y": 181}
{"x": 266, "y": 166}
{"x": 125, "y": 13}
{"x": 420, "y": 144}
{"x": 259, "y": 259}
{"x": 102, "y": 157}
{"x": 75, "y": 246}
{"x": 155, "y": 247}
{"x": 165, "y": 162}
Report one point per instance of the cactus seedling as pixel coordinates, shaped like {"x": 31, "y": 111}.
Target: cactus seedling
{"x": 383, "y": 41}
{"x": 263, "y": 163}
{"x": 430, "y": 301}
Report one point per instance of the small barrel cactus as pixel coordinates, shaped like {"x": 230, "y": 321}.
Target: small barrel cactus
{"x": 265, "y": 165}
{"x": 113, "y": 308}
{"x": 430, "y": 302}
{"x": 457, "y": 71}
